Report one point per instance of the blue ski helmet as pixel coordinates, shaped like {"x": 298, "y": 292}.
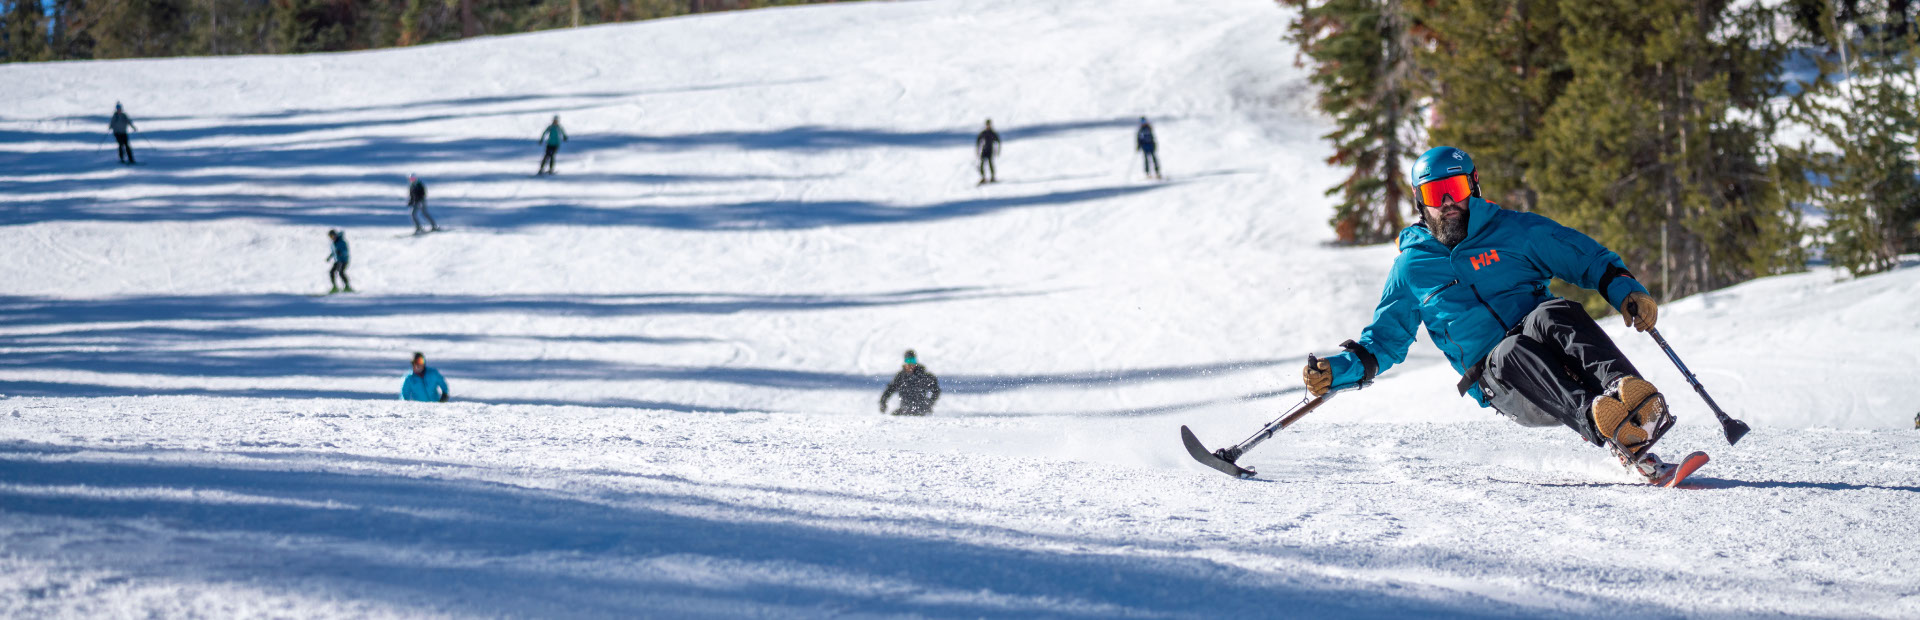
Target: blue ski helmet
{"x": 1440, "y": 162}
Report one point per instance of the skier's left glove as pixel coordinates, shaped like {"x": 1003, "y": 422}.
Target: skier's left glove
{"x": 1318, "y": 377}
{"x": 1640, "y": 311}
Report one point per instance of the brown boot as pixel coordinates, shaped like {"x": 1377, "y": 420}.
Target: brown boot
{"x": 1628, "y": 409}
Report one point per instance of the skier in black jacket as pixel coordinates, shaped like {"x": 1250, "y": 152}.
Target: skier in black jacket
{"x": 119, "y": 126}
{"x": 417, "y": 200}
{"x": 987, "y": 144}
{"x": 918, "y": 388}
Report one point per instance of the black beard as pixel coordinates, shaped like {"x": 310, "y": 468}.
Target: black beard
{"x": 1450, "y": 230}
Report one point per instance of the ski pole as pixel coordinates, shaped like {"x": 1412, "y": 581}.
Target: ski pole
{"x": 1299, "y": 411}
{"x": 1735, "y": 429}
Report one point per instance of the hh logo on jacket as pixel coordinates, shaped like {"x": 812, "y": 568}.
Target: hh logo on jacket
{"x": 1486, "y": 258}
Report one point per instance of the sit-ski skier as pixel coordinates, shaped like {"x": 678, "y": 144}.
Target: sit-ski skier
{"x": 1476, "y": 275}
{"x": 918, "y": 389}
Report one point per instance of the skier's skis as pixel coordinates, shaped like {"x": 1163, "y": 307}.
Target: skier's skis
{"x": 1209, "y": 459}
{"x": 1679, "y": 474}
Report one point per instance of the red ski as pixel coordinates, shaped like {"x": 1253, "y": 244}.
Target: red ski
{"x": 1685, "y": 468}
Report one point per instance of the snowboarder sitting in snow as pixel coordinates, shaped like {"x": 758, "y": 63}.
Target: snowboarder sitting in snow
{"x": 417, "y": 201}
{"x": 552, "y": 137}
{"x": 1143, "y": 142}
{"x": 119, "y": 125}
{"x": 918, "y": 388}
{"x": 1476, "y": 275}
{"x": 339, "y": 258}
{"x": 424, "y": 384}
{"x": 987, "y": 144}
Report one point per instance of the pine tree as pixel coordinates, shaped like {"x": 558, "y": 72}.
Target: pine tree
{"x": 1871, "y": 193}
{"x": 136, "y": 28}
{"x": 1659, "y": 147}
{"x": 1492, "y": 70}
{"x": 1363, "y": 63}
{"x": 26, "y": 32}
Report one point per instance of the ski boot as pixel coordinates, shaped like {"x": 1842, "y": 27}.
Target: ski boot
{"x": 1631, "y": 416}
{"x": 333, "y": 290}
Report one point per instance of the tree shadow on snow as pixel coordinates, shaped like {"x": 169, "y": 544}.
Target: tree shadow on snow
{"x": 390, "y": 211}
{"x": 204, "y": 349}
{"x": 1721, "y": 483}
{"x": 480, "y": 548}
{"x": 193, "y": 183}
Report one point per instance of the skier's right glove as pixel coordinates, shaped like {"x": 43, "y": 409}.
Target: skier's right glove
{"x": 1318, "y": 376}
{"x": 883, "y": 406}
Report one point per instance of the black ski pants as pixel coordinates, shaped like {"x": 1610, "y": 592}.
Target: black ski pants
{"x": 914, "y": 407}
{"x": 546, "y": 163}
{"x": 1149, "y": 161}
{"x": 1550, "y": 367}
{"x": 339, "y": 269}
{"x": 987, "y": 172}
{"x": 419, "y": 209}
{"x": 125, "y": 150}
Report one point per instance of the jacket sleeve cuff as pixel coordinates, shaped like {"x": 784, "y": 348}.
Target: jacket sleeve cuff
{"x": 1618, "y": 290}
{"x": 1346, "y": 370}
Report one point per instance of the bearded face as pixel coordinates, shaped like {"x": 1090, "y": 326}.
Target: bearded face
{"x": 1448, "y": 222}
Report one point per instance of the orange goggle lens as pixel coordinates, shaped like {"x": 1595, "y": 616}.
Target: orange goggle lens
{"x": 1436, "y": 192}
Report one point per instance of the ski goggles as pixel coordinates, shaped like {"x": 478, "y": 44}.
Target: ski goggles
{"x": 1436, "y": 192}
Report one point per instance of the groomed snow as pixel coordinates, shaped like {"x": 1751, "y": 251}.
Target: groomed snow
{"x": 666, "y": 359}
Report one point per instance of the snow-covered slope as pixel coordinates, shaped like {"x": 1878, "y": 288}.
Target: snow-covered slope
{"x": 667, "y": 357}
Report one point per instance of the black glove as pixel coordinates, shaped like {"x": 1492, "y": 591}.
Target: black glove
{"x": 883, "y": 406}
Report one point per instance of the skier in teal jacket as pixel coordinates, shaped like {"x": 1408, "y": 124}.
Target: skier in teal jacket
{"x": 552, "y": 137}
{"x": 1476, "y": 275}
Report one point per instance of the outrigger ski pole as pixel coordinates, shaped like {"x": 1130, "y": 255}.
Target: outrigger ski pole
{"x": 1735, "y": 429}
{"x": 1225, "y": 459}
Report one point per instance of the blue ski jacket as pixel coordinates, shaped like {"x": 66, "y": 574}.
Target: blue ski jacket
{"x": 1470, "y": 295}
{"x": 553, "y": 135}
{"x": 426, "y": 387}
{"x": 340, "y": 248}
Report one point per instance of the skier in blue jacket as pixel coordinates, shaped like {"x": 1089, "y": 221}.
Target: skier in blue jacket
{"x": 424, "y": 384}
{"x": 1143, "y": 142}
{"x": 1476, "y": 275}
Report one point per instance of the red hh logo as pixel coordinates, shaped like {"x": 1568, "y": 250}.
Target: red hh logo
{"x": 1487, "y": 258}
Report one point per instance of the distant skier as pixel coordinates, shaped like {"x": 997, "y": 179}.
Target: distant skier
{"x": 1143, "y": 142}
{"x": 417, "y": 201}
{"x": 987, "y": 144}
{"x": 552, "y": 137}
{"x": 918, "y": 388}
{"x": 1476, "y": 275}
{"x": 424, "y": 384}
{"x": 339, "y": 258}
{"x": 119, "y": 125}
